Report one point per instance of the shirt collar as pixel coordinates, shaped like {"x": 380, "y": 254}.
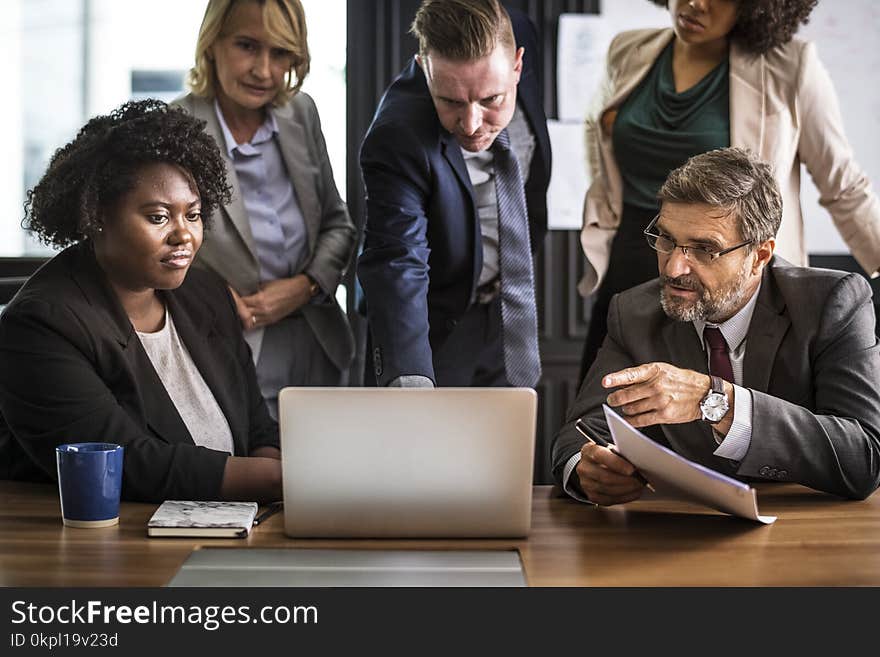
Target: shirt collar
{"x": 264, "y": 133}
{"x": 734, "y": 329}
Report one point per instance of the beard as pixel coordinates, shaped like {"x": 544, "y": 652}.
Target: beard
{"x": 710, "y": 306}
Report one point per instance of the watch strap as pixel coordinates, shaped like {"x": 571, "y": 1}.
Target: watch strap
{"x": 314, "y": 288}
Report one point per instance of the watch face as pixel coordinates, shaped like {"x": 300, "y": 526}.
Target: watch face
{"x": 714, "y": 406}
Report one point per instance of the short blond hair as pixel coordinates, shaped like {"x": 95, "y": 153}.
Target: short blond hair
{"x": 462, "y": 30}
{"x": 284, "y": 20}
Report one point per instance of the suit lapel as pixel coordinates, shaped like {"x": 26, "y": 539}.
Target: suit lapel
{"x": 198, "y": 332}
{"x": 768, "y": 328}
{"x": 748, "y": 99}
{"x": 636, "y": 68}
{"x": 694, "y": 440}
{"x": 293, "y": 142}
{"x": 529, "y": 99}
{"x": 449, "y": 148}
{"x": 685, "y": 350}
{"x": 159, "y": 411}
{"x": 452, "y": 154}
{"x": 203, "y": 108}
{"x": 90, "y": 278}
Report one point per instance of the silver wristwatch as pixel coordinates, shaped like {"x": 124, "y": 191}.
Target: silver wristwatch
{"x": 714, "y": 405}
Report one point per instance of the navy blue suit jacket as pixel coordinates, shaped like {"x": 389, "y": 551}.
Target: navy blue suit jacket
{"x": 422, "y": 252}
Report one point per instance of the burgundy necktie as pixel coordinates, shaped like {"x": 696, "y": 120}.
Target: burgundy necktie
{"x": 719, "y": 359}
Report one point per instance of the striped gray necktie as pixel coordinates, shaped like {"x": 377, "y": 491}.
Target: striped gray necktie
{"x": 519, "y": 317}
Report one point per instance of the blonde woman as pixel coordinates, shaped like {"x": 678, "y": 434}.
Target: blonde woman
{"x": 285, "y": 240}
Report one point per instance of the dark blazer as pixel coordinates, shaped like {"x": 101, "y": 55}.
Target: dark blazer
{"x": 72, "y": 369}
{"x": 812, "y": 364}
{"x": 422, "y": 253}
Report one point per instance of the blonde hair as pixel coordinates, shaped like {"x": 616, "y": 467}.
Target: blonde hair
{"x": 285, "y": 22}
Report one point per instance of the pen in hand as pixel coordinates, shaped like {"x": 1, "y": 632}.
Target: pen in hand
{"x": 271, "y": 510}
{"x": 582, "y": 428}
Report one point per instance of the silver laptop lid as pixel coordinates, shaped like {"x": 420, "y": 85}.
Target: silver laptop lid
{"x": 383, "y": 462}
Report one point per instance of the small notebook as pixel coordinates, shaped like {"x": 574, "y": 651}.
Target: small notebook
{"x": 187, "y": 518}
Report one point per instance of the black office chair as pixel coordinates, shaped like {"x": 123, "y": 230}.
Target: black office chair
{"x": 14, "y": 272}
{"x": 9, "y": 286}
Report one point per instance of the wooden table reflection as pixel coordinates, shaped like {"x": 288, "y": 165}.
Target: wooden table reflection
{"x": 818, "y": 540}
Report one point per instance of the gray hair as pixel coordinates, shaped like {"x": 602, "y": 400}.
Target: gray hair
{"x": 734, "y": 180}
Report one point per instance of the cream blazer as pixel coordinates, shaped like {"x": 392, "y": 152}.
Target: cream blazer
{"x": 782, "y": 107}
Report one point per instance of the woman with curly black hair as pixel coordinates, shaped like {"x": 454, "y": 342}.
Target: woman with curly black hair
{"x": 115, "y": 340}
{"x": 728, "y": 73}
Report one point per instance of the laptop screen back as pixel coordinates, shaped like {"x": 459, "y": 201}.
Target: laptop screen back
{"x": 380, "y": 462}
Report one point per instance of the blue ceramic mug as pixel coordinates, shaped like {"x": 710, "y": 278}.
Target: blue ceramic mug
{"x": 90, "y": 483}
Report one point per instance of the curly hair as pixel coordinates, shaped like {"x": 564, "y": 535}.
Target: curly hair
{"x": 101, "y": 163}
{"x": 762, "y": 25}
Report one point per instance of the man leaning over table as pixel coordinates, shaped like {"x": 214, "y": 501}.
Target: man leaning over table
{"x": 733, "y": 357}
{"x": 456, "y": 165}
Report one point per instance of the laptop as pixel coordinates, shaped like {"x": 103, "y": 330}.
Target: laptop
{"x": 407, "y": 462}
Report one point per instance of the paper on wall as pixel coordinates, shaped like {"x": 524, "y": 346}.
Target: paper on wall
{"x": 569, "y": 177}
{"x": 581, "y": 48}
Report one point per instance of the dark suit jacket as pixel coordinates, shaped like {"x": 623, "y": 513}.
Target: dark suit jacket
{"x": 422, "y": 251}
{"x": 812, "y": 364}
{"x": 72, "y": 369}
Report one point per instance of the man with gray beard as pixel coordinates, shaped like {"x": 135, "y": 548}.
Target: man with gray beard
{"x": 733, "y": 358}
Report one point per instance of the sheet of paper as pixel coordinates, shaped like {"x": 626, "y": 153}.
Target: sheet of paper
{"x": 569, "y": 178}
{"x": 581, "y": 48}
{"x": 672, "y": 473}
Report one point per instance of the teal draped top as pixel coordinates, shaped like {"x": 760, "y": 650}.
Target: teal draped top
{"x": 658, "y": 129}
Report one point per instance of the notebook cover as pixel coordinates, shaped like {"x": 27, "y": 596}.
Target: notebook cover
{"x": 195, "y": 518}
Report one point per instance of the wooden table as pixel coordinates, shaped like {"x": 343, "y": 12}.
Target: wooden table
{"x": 818, "y": 540}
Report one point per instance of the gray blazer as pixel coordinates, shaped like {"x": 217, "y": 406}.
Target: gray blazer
{"x": 812, "y": 364}
{"x": 229, "y": 248}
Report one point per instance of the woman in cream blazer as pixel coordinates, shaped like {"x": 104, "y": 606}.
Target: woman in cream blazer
{"x": 782, "y": 107}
